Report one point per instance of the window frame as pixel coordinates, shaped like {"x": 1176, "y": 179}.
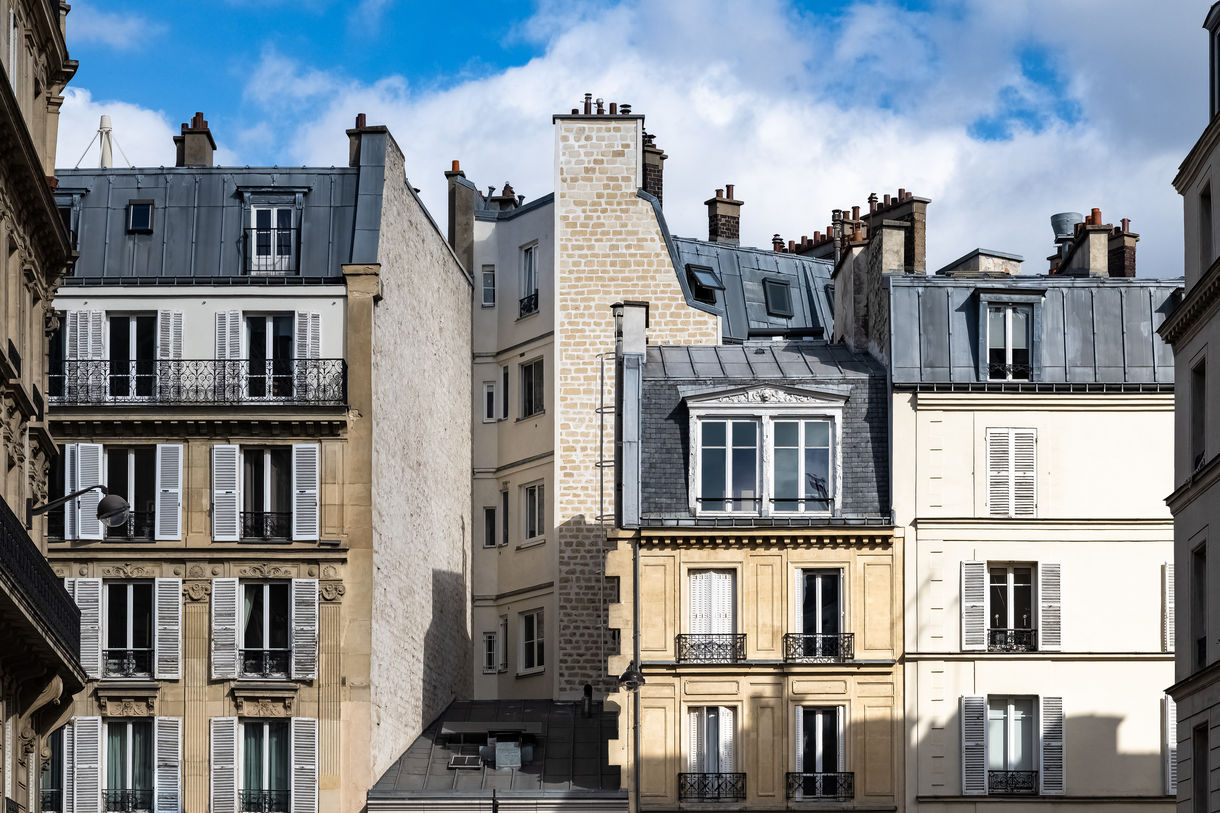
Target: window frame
{"x": 1198, "y": 410}
{"x": 839, "y": 711}
{"x": 127, "y": 586}
{"x": 1035, "y": 728}
{"x": 266, "y": 725}
{"x": 130, "y": 219}
{"x": 490, "y": 399}
{"x": 265, "y": 584}
{"x": 698, "y": 758}
{"x": 128, "y": 762}
{"x": 772, "y": 289}
{"x": 1008, "y": 310}
{"x": 536, "y": 646}
{"x": 491, "y": 639}
{"x": 488, "y": 274}
{"x": 490, "y": 523}
{"x": 533, "y": 497}
{"x": 1009, "y": 297}
{"x": 529, "y": 269}
{"x": 264, "y": 488}
{"x": 537, "y": 388}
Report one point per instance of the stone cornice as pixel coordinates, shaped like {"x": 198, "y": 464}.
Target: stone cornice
{"x": 1196, "y": 159}
{"x": 115, "y": 423}
{"x": 721, "y": 538}
{"x": 1200, "y": 300}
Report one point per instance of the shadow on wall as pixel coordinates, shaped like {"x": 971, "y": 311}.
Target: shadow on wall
{"x": 447, "y": 646}
{"x": 582, "y": 635}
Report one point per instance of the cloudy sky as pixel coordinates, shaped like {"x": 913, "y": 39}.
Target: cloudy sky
{"x": 1000, "y": 112}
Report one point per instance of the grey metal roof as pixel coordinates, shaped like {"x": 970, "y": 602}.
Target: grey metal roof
{"x": 1088, "y": 331}
{"x": 570, "y": 754}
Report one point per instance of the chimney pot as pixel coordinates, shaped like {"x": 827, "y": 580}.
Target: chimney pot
{"x": 817, "y": 237}
{"x": 902, "y": 193}
{"x": 804, "y": 239}
{"x": 855, "y": 213}
{"x": 728, "y": 191}
{"x": 361, "y": 121}
{"x": 887, "y": 200}
{"x": 1096, "y": 217}
{"x": 601, "y": 107}
{"x": 457, "y": 165}
{"x": 777, "y": 243}
{"x": 575, "y": 111}
{"x": 614, "y": 108}
{"x": 720, "y": 193}
{"x": 195, "y": 147}
{"x": 1126, "y": 221}
{"x": 588, "y": 106}
{"x": 791, "y": 247}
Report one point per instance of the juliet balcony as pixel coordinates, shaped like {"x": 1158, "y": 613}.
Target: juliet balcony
{"x": 711, "y": 787}
{"x": 818, "y": 647}
{"x": 712, "y": 648}
{"x": 198, "y": 382}
{"x": 824, "y": 785}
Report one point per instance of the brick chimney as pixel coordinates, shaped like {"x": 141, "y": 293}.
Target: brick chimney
{"x": 1088, "y": 252}
{"x": 195, "y": 147}
{"x": 1122, "y": 250}
{"x": 654, "y": 168}
{"x": 724, "y": 217}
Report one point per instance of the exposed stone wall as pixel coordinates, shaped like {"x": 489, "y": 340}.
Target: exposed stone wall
{"x": 608, "y": 247}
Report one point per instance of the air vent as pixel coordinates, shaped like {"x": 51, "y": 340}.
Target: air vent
{"x": 464, "y": 761}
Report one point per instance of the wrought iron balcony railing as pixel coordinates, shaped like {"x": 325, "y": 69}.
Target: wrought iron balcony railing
{"x": 272, "y": 252}
{"x": 128, "y": 662}
{"x": 30, "y": 581}
{"x": 140, "y": 526}
{"x": 711, "y": 787}
{"x": 712, "y": 648}
{"x": 529, "y": 304}
{"x": 51, "y": 800}
{"x": 266, "y": 525}
{"x": 264, "y": 801}
{"x": 1000, "y": 639}
{"x": 199, "y": 381}
{"x": 265, "y": 663}
{"x": 822, "y": 785}
{"x": 126, "y": 800}
{"x": 1012, "y": 782}
{"x": 819, "y": 647}
{"x": 997, "y": 371}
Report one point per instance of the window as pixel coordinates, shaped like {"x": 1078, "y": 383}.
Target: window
{"x": 534, "y": 510}
{"x": 266, "y": 493}
{"x": 489, "y": 286}
{"x": 1206, "y": 228}
{"x": 1011, "y": 738}
{"x": 504, "y": 517}
{"x": 532, "y": 402}
{"x": 1200, "y": 759}
{"x": 1010, "y": 623}
{"x": 1012, "y": 472}
{"x": 1012, "y": 607}
{"x": 270, "y": 349}
{"x": 51, "y": 779}
{"x": 1198, "y": 603}
{"x": 704, "y": 283}
{"x": 1012, "y": 745}
{"x": 489, "y": 401}
{"x": 264, "y": 766}
{"x": 801, "y": 474}
{"x": 129, "y": 630}
{"x": 529, "y": 280}
{"x": 489, "y": 526}
{"x": 820, "y": 755}
{"x": 1198, "y": 414}
{"x": 712, "y": 620}
{"x": 728, "y": 454}
{"x": 271, "y": 240}
{"x": 712, "y": 750}
{"x": 778, "y": 296}
{"x": 140, "y": 217}
{"x": 532, "y": 648}
{"x": 504, "y": 391}
{"x": 133, "y": 353}
{"x": 131, "y": 474}
{"x": 265, "y": 620}
{"x": 128, "y": 771}
{"x": 819, "y": 618}
{"x": 1008, "y": 342}
{"x": 491, "y": 653}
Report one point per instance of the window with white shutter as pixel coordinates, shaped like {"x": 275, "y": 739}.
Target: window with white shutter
{"x": 167, "y": 781}
{"x": 1167, "y": 608}
{"x": 225, "y": 493}
{"x": 306, "y": 473}
{"x": 88, "y": 594}
{"x": 1051, "y": 720}
{"x": 304, "y": 765}
{"x": 224, "y": 628}
{"x": 974, "y": 745}
{"x": 228, "y": 355}
{"x": 167, "y": 609}
{"x": 712, "y": 747}
{"x": 1012, "y": 472}
{"x": 72, "y": 507}
{"x": 1050, "y": 604}
{"x": 820, "y": 751}
{"x": 304, "y": 628}
{"x": 69, "y": 771}
{"x": 974, "y": 607}
{"x": 1169, "y": 711}
{"x": 89, "y": 473}
{"x": 87, "y": 764}
{"x": 224, "y": 764}
{"x": 308, "y": 335}
{"x": 169, "y": 335}
{"x": 169, "y": 491}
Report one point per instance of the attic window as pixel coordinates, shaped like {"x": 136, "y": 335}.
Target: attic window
{"x": 139, "y": 216}
{"x": 779, "y": 298}
{"x": 704, "y": 283}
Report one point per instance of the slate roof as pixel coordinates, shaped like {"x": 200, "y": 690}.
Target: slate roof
{"x": 1088, "y": 331}
{"x": 569, "y": 759}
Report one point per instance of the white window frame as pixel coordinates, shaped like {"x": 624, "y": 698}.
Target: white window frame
{"x": 696, "y": 759}
{"x": 1036, "y": 724}
{"x": 489, "y": 539}
{"x": 127, "y": 586}
{"x": 539, "y": 391}
{"x": 490, "y": 400}
{"x": 1009, "y": 567}
{"x": 127, "y": 757}
{"x": 533, "y": 499}
{"x": 244, "y": 585}
{"x": 801, "y": 509}
{"x": 491, "y": 652}
{"x": 840, "y": 715}
{"x": 274, "y": 262}
{"x": 241, "y": 750}
{"x": 1008, "y": 309}
{"x": 265, "y": 487}
{"x": 153, "y": 367}
{"x": 488, "y": 280}
{"x": 503, "y": 639}
{"x": 536, "y": 645}
{"x": 529, "y": 269}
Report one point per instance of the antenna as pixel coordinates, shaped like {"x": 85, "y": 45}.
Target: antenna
{"x": 106, "y": 142}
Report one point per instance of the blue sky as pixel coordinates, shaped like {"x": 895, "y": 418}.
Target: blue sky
{"x": 1002, "y": 113}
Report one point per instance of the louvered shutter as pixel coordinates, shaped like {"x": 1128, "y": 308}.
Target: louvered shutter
{"x": 224, "y": 628}
{"x": 167, "y": 780}
{"x": 71, "y": 335}
{"x": 228, "y": 335}
{"x": 169, "y": 491}
{"x": 694, "y": 755}
{"x": 841, "y": 734}
{"x": 1050, "y": 591}
{"x": 308, "y": 335}
{"x": 226, "y": 471}
{"x": 88, "y": 473}
{"x": 71, "y": 508}
{"x": 69, "y": 768}
{"x": 97, "y": 335}
{"x": 974, "y": 745}
{"x": 1170, "y": 711}
{"x": 304, "y": 628}
{"x": 1050, "y": 719}
{"x": 1024, "y": 473}
{"x": 974, "y": 606}
{"x": 728, "y": 745}
{"x": 798, "y": 737}
{"x": 1167, "y": 608}
{"x": 999, "y": 473}
{"x": 167, "y": 610}
{"x": 89, "y": 600}
{"x": 87, "y": 764}
{"x": 304, "y": 765}
{"x": 169, "y": 335}
{"x": 798, "y": 604}
{"x": 700, "y": 602}
{"x": 724, "y": 603}
{"x": 224, "y": 764}
{"x": 305, "y": 476}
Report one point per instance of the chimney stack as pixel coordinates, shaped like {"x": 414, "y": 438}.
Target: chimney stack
{"x": 724, "y": 217}
{"x": 654, "y": 168}
{"x": 1122, "y": 250}
{"x": 195, "y": 147}
{"x": 462, "y": 194}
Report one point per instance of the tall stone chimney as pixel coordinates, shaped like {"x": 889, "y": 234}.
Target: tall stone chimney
{"x": 654, "y": 168}
{"x": 462, "y": 195}
{"x": 195, "y": 147}
{"x": 724, "y": 217}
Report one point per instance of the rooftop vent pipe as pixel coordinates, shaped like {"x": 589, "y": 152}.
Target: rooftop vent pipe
{"x": 1064, "y": 225}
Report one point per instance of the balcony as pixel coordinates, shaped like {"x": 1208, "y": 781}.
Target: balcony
{"x": 128, "y": 663}
{"x": 819, "y": 648}
{"x": 126, "y": 800}
{"x": 998, "y": 371}
{"x": 198, "y": 382}
{"x": 529, "y": 304}
{"x": 1012, "y": 640}
{"x": 711, "y": 787}
{"x": 266, "y": 525}
{"x": 1012, "y": 783}
{"x": 51, "y": 800}
{"x": 141, "y": 526}
{"x": 272, "y": 252}
{"x": 838, "y": 785}
{"x": 265, "y": 663}
{"x": 713, "y": 648}
{"x": 37, "y": 592}
{"x": 264, "y": 801}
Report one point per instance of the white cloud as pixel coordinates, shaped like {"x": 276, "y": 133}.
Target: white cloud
{"x": 123, "y": 31}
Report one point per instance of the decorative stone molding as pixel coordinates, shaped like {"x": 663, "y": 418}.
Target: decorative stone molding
{"x": 332, "y": 590}
{"x": 129, "y": 571}
{"x": 195, "y": 572}
{"x": 264, "y": 700}
{"x": 128, "y": 699}
{"x": 196, "y": 591}
{"x": 765, "y": 395}
{"x": 266, "y": 571}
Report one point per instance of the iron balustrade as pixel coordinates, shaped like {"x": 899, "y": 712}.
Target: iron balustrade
{"x": 265, "y": 663}
{"x": 712, "y": 648}
{"x": 1000, "y": 639}
{"x": 126, "y": 800}
{"x": 199, "y": 381}
{"x": 266, "y": 524}
{"x": 711, "y": 787}
{"x": 998, "y": 371}
{"x": 529, "y": 304}
{"x": 140, "y": 525}
{"x": 819, "y": 647}
{"x": 51, "y": 800}
{"x": 822, "y": 785}
{"x": 264, "y": 801}
{"x": 128, "y": 662}
{"x": 272, "y": 252}
{"x": 1012, "y": 782}
{"x": 29, "y": 579}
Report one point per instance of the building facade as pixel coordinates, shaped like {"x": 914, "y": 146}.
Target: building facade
{"x": 250, "y": 358}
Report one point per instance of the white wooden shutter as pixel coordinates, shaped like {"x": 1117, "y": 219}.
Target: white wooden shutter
{"x": 841, "y": 733}
{"x": 169, "y": 334}
{"x": 167, "y": 610}
{"x": 228, "y": 335}
{"x": 97, "y": 335}
{"x": 304, "y": 628}
{"x": 71, "y": 335}
{"x": 69, "y": 768}
{"x": 974, "y": 606}
{"x": 694, "y": 754}
{"x": 700, "y": 602}
{"x": 305, "y": 476}
{"x": 224, "y": 628}
{"x": 1170, "y": 710}
{"x": 88, "y": 473}
{"x": 798, "y": 736}
{"x": 168, "y": 519}
{"x": 71, "y": 508}
{"x": 167, "y": 779}
{"x": 224, "y": 764}
{"x": 1024, "y": 473}
{"x": 308, "y": 335}
{"x": 728, "y": 745}
{"x": 999, "y": 473}
{"x": 1050, "y": 591}
{"x": 226, "y": 471}
{"x": 87, "y": 764}
{"x": 304, "y": 765}
{"x": 1050, "y": 718}
{"x": 974, "y": 745}
{"x": 89, "y": 600}
{"x": 1167, "y": 608}
{"x": 798, "y": 605}
{"x": 724, "y": 602}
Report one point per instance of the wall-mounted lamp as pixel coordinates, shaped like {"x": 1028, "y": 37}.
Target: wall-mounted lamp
{"x": 112, "y": 510}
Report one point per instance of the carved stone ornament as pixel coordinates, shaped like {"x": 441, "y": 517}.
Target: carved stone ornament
{"x": 264, "y": 706}
{"x": 330, "y": 572}
{"x": 767, "y": 395}
{"x": 128, "y": 571}
{"x": 127, "y": 706}
{"x": 331, "y": 591}
{"x": 196, "y": 591}
{"x": 266, "y": 571}
{"x": 195, "y": 572}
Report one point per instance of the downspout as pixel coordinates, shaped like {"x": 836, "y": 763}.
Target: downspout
{"x": 635, "y": 653}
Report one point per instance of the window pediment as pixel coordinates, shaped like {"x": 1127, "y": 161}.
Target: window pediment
{"x": 770, "y": 395}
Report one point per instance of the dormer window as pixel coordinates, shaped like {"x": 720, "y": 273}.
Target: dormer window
{"x": 779, "y": 298}
{"x": 704, "y": 283}
{"x": 1008, "y": 342}
{"x": 139, "y": 217}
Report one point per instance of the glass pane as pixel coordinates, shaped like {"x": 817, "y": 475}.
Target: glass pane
{"x": 785, "y": 476}
{"x": 141, "y": 616}
{"x": 262, "y": 218}
{"x": 995, "y": 328}
{"x": 116, "y": 756}
{"x": 827, "y": 722}
{"x": 1022, "y": 758}
{"x": 144, "y": 467}
{"x": 141, "y": 756}
{"x": 745, "y": 477}
{"x": 277, "y": 756}
{"x": 999, "y": 598}
{"x": 817, "y": 433}
{"x": 809, "y": 737}
{"x": 713, "y": 476}
{"x": 116, "y": 473}
{"x": 713, "y": 433}
{"x": 279, "y": 499}
{"x": 711, "y": 740}
{"x": 120, "y": 355}
{"x": 997, "y": 712}
{"x": 279, "y": 621}
{"x": 744, "y": 434}
{"x": 1020, "y": 329}
{"x": 252, "y": 479}
{"x": 116, "y": 616}
{"x": 817, "y": 479}
{"x": 1023, "y": 598}
{"x": 786, "y": 433}
{"x": 830, "y": 605}
{"x": 283, "y": 218}
{"x": 252, "y": 617}
{"x": 252, "y": 753}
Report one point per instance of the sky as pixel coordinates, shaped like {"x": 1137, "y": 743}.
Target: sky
{"x": 1001, "y": 113}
